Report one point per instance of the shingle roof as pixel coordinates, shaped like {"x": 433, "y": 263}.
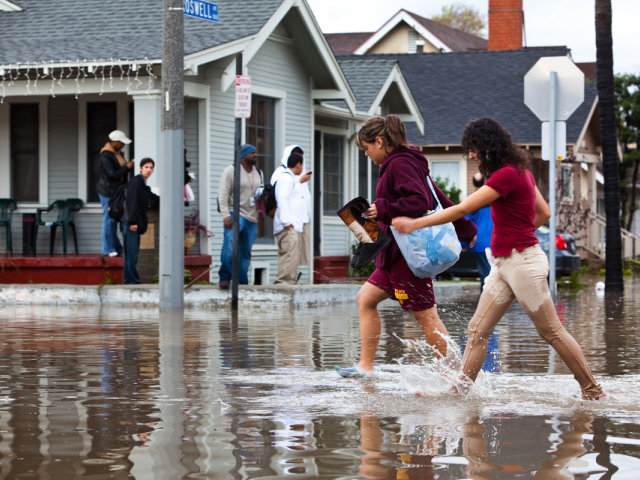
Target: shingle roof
{"x": 455, "y": 39}
{"x": 366, "y": 76}
{"x": 452, "y": 88}
{"x": 70, "y": 30}
{"x": 346, "y": 43}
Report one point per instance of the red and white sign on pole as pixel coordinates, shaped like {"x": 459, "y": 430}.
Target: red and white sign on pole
{"x": 243, "y": 96}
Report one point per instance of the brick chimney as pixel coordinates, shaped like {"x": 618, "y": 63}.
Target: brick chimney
{"x": 506, "y": 20}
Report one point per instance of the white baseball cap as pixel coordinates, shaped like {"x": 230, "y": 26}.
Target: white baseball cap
{"x": 119, "y": 136}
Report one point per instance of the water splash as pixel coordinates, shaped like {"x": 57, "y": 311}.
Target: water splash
{"x": 426, "y": 374}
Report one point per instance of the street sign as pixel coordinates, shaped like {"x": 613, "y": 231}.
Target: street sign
{"x": 561, "y": 141}
{"x": 202, "y": 10}
{"x": 243, "y": 96}
{"x": 570, "y": 87}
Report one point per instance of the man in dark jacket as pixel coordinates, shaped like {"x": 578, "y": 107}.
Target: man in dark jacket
{"x": 114, "y": 171}
{"x": 138, "y": 198}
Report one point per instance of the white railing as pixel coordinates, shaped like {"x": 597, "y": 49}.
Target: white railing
{"x": 596, "y": 238}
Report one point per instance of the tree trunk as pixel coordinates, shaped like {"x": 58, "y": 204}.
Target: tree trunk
{"x": 632, "y": 203}
{"x": 610, "y": 160}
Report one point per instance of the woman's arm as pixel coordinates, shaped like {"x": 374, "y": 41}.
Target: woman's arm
{"x": 480, "y": 198}
{"x": 543, "y": 213}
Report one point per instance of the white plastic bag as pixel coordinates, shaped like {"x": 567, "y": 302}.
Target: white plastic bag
{"x": 430, "y": 250}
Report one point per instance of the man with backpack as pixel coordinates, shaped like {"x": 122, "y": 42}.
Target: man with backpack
{"x": 288, "y": 223}
{"x": 251, "y": 179}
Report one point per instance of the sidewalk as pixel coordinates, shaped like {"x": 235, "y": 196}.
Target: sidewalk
{"x": 209, "y": 296}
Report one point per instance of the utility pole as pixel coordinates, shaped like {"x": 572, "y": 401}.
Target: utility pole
{"x": 235, "y": 270}
{"x": 172, "y": 159}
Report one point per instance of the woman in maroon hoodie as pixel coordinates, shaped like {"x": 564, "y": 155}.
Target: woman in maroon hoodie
{"x": 402, "y": 191}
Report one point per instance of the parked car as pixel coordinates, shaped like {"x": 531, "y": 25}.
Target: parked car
{"x": 567, "y": 258}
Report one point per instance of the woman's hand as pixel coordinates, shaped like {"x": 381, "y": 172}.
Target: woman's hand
{"x": 372, "y": 212}
{"x": 404, "y": 224}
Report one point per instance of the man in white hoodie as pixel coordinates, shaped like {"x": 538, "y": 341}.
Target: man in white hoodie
{"x": 304, "y": 214}
{"x": 287, "y": 222}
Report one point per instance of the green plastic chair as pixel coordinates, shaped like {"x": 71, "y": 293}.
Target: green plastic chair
{"x": 66, "y": 211}
{"x": 7, "y": 206}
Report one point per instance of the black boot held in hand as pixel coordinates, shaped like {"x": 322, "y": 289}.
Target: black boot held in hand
{"x": 372, "y": 239}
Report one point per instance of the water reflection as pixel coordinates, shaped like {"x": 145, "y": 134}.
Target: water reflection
{"x": 119, "y": 393}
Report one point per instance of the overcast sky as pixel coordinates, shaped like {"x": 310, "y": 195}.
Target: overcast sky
{"x": 547, "y": 22}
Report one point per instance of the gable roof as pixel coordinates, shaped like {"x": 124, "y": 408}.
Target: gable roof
{"x": 457, "y": 40}
{"x": 346, "y": 43}
{"x": 447, "y": 39}
{"x": 366, "y": 78}
{"x": 454, "y": 88}
{"x": 71, "y": 30}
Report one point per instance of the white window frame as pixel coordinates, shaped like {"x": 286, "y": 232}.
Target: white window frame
{"x": 462, "y": 170}
{"x": 43, "y": 149}
{"x": 280, "y": 97}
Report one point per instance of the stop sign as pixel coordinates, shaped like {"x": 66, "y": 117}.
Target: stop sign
{"x": 569, "y": 93}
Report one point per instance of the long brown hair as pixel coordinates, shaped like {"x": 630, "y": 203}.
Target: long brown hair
{"x": 493, "y": 144}
{"x": 389, "y": 128}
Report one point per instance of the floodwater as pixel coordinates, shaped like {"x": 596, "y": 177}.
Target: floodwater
{"x": 122, "y": 393}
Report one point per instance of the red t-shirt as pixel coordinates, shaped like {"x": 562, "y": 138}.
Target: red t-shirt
{"x": 514, "y": 212}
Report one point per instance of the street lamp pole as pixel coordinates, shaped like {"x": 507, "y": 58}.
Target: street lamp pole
{"x": 171, "y": 162}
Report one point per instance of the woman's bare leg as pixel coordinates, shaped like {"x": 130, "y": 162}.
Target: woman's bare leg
{"x": 369, "y": 297}
{"x": 434, "y": 330}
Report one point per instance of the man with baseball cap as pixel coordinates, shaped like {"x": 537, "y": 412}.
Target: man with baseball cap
{"x": 114, "y": 171}
{"x": 250, "y": 179}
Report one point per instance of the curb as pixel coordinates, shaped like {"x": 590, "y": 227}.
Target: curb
{"x": 207, "y": 296}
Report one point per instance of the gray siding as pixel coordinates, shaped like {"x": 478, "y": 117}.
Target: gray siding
{"x": 275, "y": 66}
{"x": 334, "y": 240}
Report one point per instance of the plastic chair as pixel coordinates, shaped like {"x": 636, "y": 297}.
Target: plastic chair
{"x": 7, "y": 206}
{"x": 66, "y": 212}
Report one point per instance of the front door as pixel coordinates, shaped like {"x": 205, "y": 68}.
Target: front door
{"x": 317, "y": 193}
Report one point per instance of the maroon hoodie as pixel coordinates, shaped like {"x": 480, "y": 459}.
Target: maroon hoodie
{"x": 402, "y": 191}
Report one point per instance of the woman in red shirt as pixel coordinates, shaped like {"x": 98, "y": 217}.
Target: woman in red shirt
{"x": 520, "y": 273}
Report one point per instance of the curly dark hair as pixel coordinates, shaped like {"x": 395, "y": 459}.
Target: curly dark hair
{"x": 493, "y": 144}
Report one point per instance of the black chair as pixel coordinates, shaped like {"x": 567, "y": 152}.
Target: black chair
{"x": 7, "y": 206}
{"x": 66, "y": 212}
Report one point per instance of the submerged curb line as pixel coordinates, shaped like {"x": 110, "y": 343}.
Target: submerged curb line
{"x": 259, "y": 296}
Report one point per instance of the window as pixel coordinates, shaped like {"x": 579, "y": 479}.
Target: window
{"x": 261, "y": 133}
{"x": 332, "y": 168}
{"x": 102, "y": 119}
{"x": 25, "y": 158}
{"x": 446, "y": 170}
{"x": 566, "y": 186}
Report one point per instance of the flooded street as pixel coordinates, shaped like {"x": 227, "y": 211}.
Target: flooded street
{"x": 123, "y": 393}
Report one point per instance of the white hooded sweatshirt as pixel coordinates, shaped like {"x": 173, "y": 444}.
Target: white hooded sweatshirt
{"x": 303, "y": 215}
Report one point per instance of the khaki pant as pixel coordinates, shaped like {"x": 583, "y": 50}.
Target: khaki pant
{"x": 305, "y": 245}
{"x": 288, "y": 256}
{"x": 522, "y": 276}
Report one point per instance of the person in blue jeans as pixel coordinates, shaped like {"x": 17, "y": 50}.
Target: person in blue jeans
{"x": 250, "y": 180}
{"x": 138, "y": 198}
{"x": 114, "y": 171}
{"x": 482, "y": 219}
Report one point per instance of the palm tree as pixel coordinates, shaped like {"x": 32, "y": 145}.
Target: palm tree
{"x": 610, "y": 160}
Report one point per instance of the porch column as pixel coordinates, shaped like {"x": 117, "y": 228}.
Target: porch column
{"x": 146, "y": 113}
{"x": 592, "y": 190}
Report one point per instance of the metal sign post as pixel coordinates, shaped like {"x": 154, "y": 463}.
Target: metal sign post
{"x": 242, "y": 110}
{"x": 553, "y": 90}
{"x": 553, "y": 82}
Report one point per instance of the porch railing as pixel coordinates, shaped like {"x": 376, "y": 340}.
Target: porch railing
{"x": 596, "y": 238}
